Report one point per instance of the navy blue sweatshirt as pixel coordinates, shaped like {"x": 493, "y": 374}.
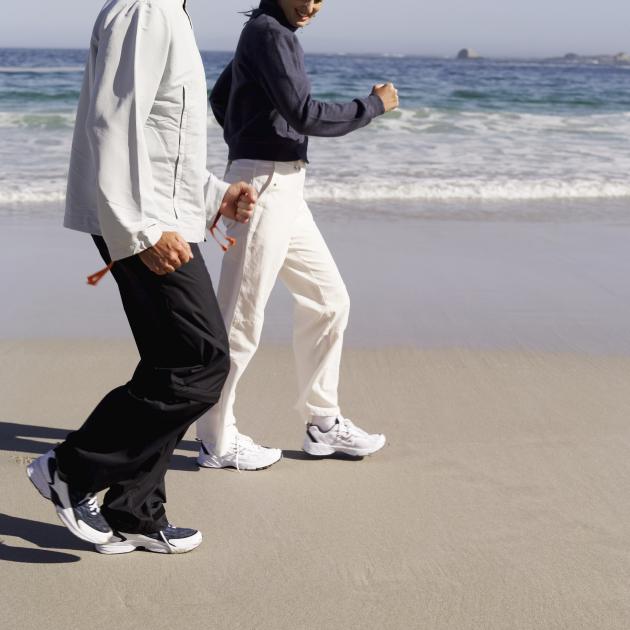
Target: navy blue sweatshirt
{"x": 263, "y": 98}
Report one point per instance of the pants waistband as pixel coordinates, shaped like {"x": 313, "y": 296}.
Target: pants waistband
{"x": 267, "y": 167}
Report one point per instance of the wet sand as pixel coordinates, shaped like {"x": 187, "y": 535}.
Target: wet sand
{"x": 470, "y": 280}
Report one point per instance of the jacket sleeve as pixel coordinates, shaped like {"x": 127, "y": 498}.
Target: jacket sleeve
{"x": 279, "y": 63}
{"x": 130, "y": 61}
{"x": 215, "y": 190}
{"x": 220, "y": 94}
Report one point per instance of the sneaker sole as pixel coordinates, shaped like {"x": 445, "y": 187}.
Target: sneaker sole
{"x": 76, "y": 528}
{"x": 146, "y": 544}
{"x": 39, "y": 477}
{"x": 204, "y": 463}
{"x": 317, "y": 449}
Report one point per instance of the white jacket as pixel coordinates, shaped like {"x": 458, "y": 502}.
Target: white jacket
{"x": 138, "y": 162}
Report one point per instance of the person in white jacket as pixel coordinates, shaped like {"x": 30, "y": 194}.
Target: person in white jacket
{"x": 138, "y": 184}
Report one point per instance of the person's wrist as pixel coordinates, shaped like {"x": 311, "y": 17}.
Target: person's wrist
{"x": 150, "y": 237}
{"x": 377, "y": 103}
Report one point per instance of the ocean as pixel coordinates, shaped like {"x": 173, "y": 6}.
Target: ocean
{"x": 467, "y": 131}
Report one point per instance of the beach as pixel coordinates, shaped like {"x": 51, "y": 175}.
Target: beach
{"x": 482, "y": 231}
{"x": 491, "y": 347}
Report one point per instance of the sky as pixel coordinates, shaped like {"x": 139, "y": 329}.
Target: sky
{"x": 495, "y": 28}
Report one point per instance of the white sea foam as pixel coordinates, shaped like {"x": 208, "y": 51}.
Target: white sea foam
{"x": 442, "y": 155}
{"x": 367, "y": 189}
{"x": 12, "y": 197}
{"x": 36, "y": 119}
{"x": 411, "y": 155}
{"x": 40, "y": 70}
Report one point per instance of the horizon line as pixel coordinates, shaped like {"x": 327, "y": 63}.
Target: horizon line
{"x": 362, "y": 53}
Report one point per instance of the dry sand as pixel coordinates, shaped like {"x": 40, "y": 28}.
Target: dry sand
{"x": 501, "y": 501}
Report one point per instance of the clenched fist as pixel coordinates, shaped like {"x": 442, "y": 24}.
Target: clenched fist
{"x": 167, "y": 255}
{"x": 239, "y": 202}
{"x": 388, "y": 94}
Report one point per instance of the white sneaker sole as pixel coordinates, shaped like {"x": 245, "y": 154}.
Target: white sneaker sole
{"x": 40, "y": 477}
{"x": 212, "y": 461}
{"x": 136, "y": 542}
{"x": 80, "y": 529}
{"x": 317, "y": 449}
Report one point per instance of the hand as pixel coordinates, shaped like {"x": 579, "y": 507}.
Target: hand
{"x": 239, "y": 202}
{"x": 167, "y": 255}
{"x": 388, "y": 94}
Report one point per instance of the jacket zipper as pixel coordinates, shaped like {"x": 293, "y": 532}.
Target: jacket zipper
{"x": 179, "y": 151}
{"x": 186, "y": 12}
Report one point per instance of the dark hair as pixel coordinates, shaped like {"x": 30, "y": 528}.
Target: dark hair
{"x": 254, "y": 13}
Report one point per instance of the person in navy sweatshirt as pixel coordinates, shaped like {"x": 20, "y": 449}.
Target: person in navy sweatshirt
{"x": 263, "y": 102}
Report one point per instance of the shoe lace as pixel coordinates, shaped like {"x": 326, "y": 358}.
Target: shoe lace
{"x": 242, "y": 444}
{"x": 91, "y": 503}
{"x": 347, "y": 428}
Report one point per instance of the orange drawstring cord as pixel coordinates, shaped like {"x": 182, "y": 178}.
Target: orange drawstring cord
{"x": 229, "y": 239}
{"x": 95, "y": 278}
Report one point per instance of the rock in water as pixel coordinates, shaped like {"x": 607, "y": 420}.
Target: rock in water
{"x": 467, "y": 53}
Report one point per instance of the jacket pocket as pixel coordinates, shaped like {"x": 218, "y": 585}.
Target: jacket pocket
{"x": 181, "y": 145}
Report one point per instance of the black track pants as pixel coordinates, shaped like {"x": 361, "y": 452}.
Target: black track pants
{"x": 127, "y": 442}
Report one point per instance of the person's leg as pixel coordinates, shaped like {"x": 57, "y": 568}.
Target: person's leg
{"x": 321, "y": 310}
{"x": 127, "y": 441}
{"x": 248, "y": 274}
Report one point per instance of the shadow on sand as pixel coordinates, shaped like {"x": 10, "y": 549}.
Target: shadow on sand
{"x": 32, "y": 440}
{"x": 44, "y": 535}
{"x": 305, "y": 457}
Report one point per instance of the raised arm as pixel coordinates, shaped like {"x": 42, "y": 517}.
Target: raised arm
{"x": 279, "y": 63}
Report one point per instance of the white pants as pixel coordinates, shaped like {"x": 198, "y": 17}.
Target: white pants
{"x": 280, "y": 240}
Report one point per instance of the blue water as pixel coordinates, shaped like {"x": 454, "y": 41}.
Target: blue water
{"x": 481, "y": 130}
{"x": 30, "y": 77}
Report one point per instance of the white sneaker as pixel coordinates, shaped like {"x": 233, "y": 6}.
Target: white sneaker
{"x": 344, "y": 437}
{"x": 170, "y": 540}
{"x": 244, "y": 454}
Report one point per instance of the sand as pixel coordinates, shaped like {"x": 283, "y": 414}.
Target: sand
{"x": 502, "y": 282}
{"x": 501, "y": 500}
{"x": 494, "y": 353}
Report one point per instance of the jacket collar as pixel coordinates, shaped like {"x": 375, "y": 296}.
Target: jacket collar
{"x": 270, "y": 7}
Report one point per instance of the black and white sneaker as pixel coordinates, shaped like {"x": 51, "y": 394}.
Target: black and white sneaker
{"x": 78, "y": 511}
{"x": 170, "y": 540}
